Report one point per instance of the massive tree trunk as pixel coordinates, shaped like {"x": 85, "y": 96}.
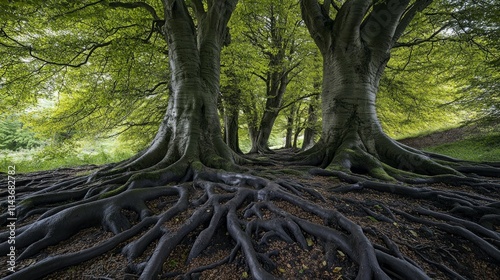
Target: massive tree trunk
{"x": 190, "y": 130}
{"x": 356, "y": 48}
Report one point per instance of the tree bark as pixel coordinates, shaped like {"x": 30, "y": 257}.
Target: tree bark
{"x": 310, "y": 130}
{"x": 289, "y": 127}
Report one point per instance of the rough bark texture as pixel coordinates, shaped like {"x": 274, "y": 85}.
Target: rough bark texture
{"x": 310, "y": 129}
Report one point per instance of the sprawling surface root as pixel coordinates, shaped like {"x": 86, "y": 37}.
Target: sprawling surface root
{"x": 383, "y": 158}
{"x": 187, "y": 205}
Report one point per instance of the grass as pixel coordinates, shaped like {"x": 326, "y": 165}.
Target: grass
{"x": 475, "y": 148}
{"x": 48, "y": 158}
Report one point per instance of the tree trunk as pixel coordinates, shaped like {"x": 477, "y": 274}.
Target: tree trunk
{"x": 310, "y": 130}
{"x": 289, "y": 127}
{"x": 231, "y": 131}
{"x": 275, "y": 91}
{"x": 190, "y": 130}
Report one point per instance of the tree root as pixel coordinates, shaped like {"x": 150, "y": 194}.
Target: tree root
{"x": 468, "y": 213}
{"x": 253, "y": 211}
{"x": 385, "y": 159}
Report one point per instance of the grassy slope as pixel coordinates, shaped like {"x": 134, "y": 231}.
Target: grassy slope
{"x": 475, "y": 147}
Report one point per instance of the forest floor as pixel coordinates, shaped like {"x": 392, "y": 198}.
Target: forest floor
{"x": 428, "y": 246}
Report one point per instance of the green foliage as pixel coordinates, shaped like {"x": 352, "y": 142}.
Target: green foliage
{"x": 101, "y": 70}
{"x": 66, "y": 154}
{"x": 14, "y": 136}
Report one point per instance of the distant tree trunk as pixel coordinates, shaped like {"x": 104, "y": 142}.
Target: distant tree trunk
{"x": 356, "y": 48}
{"x": 231, "y": 131}
{"x": 296, "y": 136}
{"x": 310, "y": 130}
{"x": 278, "y": 48}
{"x": 191, "y": 127}
{"x": 231, "y": 96}
{"x": 289, "y": 127}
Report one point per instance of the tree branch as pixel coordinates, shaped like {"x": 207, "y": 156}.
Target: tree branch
{"x": 420, "y": 41}
{"x": 297, "y": 100}
{"x": 318, "y": 24}
{"x": 134, "y": 5}
{"x": 418, "y": 6}
{"x": 94, "y": 47}
{"x": 79, "y": 9}
{"x": 198, "y": 8}
{"x": 260, "y": 76}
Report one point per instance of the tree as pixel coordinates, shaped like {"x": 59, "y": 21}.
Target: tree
{"x": 13, "y": 136}
{"x": 181, "y": 189}
{"x": 275, "y": 31}
{"x": 356, "y": 47}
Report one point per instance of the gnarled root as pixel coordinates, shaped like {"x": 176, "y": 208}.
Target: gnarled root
{"x": 153, "y": 217}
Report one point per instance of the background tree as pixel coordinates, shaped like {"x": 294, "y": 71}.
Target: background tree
{"x": 14, "y": 136}
{"x": 274, "y": 28}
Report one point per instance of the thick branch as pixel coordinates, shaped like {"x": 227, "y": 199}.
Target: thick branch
{"x": 379, "y": 27}
{"x": 297, "y": 100}
{"x": 349, "y": 19}
{"x": 318, "y": 23}
{"x": 418, "y": 6}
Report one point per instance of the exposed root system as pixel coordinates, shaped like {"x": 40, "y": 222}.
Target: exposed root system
{"x": 203, "y": 220}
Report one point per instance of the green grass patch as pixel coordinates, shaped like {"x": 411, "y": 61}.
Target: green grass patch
{"x": 53, "y": 157}
{"x": 476, "y": 148}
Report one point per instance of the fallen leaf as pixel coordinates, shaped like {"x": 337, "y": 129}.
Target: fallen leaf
{"x": 372, "y": 218}
{"x": 309, "y": 242}
{"x": 337, "y": 269}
